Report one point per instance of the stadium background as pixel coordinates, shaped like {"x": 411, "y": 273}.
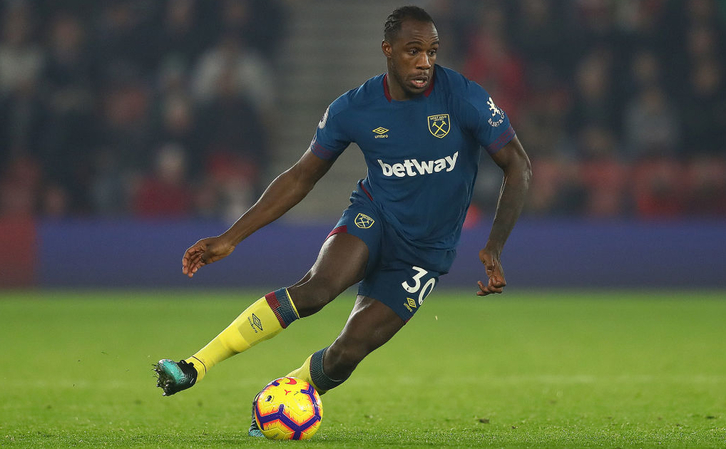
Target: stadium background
{"x": 130, "y": 128}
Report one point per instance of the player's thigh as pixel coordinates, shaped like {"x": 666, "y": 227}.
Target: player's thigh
{"x": 340, "y": 264}
{"x": 341, "y": 261}
{"x": 349, "y": 252}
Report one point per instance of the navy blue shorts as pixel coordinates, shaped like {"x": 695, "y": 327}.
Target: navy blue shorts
{"x": 399, "y": 284}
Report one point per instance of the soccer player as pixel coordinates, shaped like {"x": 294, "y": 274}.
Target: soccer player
{"x": 421, "y": 128}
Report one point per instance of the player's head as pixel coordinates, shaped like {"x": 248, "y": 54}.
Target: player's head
{"x": 410, "y": 43}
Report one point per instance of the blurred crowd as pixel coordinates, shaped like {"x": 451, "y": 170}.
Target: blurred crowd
{"x": 166, "y": 108}
{"x": 621, "y": 104}
{"x": 135, "y": 107}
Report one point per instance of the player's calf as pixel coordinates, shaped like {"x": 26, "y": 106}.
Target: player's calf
{"x": 341, "y": 360}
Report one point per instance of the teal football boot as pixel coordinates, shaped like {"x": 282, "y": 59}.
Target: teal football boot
{"x": 174, "y": 377}
{"x": 254, "y": 428}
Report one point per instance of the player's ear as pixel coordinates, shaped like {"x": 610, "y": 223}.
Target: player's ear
{"x": 387, "y": 50}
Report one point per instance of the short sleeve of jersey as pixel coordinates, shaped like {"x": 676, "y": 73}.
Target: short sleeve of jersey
{"x": 330, "y": 138}
{"x": 489, "y": 124}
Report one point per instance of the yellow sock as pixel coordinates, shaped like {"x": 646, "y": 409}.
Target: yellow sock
{"x": 261, "y": 321}
{"x": 304, "y": 373}
{"x": 312, "y": 372}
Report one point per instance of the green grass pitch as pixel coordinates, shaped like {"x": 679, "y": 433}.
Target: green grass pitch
{"x": 625, "y": 369}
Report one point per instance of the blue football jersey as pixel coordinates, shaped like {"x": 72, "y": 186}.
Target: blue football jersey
{"x": 422, "y": 154}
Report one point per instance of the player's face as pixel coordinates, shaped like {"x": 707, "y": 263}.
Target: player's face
{"x": 411, "y": 57}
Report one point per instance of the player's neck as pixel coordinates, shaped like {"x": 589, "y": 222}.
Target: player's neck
{"x": 396, "y": 91}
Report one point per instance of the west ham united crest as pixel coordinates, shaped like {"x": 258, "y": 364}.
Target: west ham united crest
{"x": 439, "y": 125}
{"x": 363, "y": 221}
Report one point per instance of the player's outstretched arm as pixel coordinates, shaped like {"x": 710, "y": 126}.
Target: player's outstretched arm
{"x": 281, "y": 195}
{"x": 204, "y": 252}
{"x": 513, "y": 161}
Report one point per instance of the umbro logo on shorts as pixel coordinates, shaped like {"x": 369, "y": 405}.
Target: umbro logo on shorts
{"x": 410, "y": 304}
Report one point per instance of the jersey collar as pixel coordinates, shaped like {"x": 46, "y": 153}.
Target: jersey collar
{"x": 426, "y": 93}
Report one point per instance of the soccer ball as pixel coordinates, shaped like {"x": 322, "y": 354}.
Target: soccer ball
{"x": 288, "y": 408}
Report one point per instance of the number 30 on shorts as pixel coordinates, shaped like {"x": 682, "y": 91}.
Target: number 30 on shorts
{"x": 423, "y": 291}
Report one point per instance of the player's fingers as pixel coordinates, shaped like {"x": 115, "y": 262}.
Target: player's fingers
{"x": 198, "y": 263}
{"x": 186, "y": 263}
{"x": 496, "y": 284}
{"x": 483, "y": 289}
{"x": 195, "y": 262}
{"x": 488, "y": 289}
{"x": 188, "y": 259}
{"x": 497, "y": 281}
{"x": 485, "y": 292}
{"x": 190, "y": 253}
{"x": 189, "y": 269}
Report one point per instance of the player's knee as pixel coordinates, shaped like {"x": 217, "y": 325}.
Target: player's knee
{"x": 310, "y": 298}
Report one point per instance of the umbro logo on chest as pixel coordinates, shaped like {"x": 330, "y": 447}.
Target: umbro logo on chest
{"x": 381, "y": 132}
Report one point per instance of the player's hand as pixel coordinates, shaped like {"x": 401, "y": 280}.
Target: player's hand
{"x": 494, "y": 271}
{"x": 205, "y": 252}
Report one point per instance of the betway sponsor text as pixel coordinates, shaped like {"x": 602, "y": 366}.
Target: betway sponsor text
{"x": 414, "y": 167}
